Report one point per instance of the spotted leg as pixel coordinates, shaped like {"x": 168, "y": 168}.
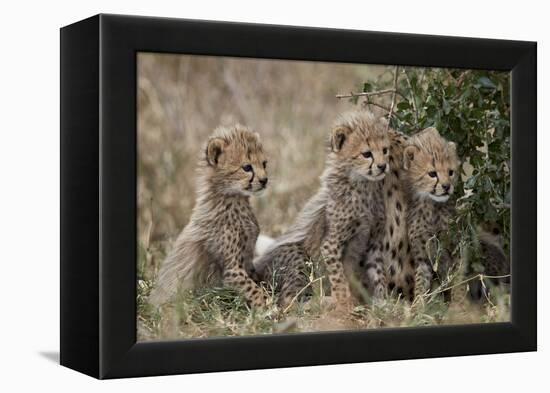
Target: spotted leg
{"x": 235, "y": 275}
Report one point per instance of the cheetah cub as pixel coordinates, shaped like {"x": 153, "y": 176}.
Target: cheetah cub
{"x": 343, "y": 219}
{"x": 217, "y": 245}
{"x": 430, "y": 164}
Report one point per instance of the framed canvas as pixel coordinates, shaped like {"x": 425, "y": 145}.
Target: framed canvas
{"x": 399, "y": 215}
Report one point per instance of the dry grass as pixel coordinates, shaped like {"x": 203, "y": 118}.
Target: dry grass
{"x": 223, "y": 312}
{"x": 181, "y": 99}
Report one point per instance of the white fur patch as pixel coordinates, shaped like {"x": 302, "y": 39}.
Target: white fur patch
{"x": 262, "y": 244}
{"x": 437, "y": 198}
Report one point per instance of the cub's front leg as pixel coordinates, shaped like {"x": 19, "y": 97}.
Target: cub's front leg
{"x": 375, "y": 277}
{"x": 235, "y": 250}
{"x": 423, "y": 267}
{"x": 340, "y": 231}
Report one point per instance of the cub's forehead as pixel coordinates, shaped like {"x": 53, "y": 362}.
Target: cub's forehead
{"x": 444, "y": 160}
{"x": 377, "y": 140}
{"x": 246, "y": 152}
{"x": 363, "y": 122}
{"x": 252, "y": 147}
{"x": 370, "y": 136}
{"x": 434, "y": 148}
{"x": 254, "y": 153}
{"x": 435, "y": 156}
{"x": 240, "y": 138}
{"x": 240, "y": 143}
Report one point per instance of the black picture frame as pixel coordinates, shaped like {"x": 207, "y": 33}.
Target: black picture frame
{"x": 98, "y": 196}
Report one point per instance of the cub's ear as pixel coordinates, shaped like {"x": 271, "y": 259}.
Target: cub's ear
{"x": 408, "y": 156}
{"x": 452, "y": 147}
{"x": 338, "y": 137}
{"x": 214, "y": 149}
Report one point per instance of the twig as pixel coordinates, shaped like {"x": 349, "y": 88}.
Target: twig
{"x": 376, "y": 104}
{"x": 480, "y": 276}
{"x": 390, "y": 113}
{"x": 413, "y": 100}
{"x": 366, "y": 93}
{"x": 485, "y": 292}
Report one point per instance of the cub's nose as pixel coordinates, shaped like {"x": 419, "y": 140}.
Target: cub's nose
{"x": 382, "y": 167}
{"x": 446, "y": 187}
{"x": 263, "y": 181}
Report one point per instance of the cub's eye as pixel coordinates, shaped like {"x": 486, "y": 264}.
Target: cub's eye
{"x": 247, "y": 168}
{"x": 385, "y": 151}
{"x": 432, "y": 174}
{"x": 451, "y": 172}
{"x": 367, "y": 154}
{"x": 264, "y": 164}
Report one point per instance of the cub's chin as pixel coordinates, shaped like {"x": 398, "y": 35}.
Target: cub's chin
{"x": 376, "y": 178}
{"x": 253, "y": 191}
{"x": 439, "y": 198}
{"x": 259, "y": 192}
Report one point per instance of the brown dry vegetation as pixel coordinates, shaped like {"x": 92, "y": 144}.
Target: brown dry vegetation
{"x": 181, "y": 99}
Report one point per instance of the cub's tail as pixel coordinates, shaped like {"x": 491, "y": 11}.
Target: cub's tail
{"x": 185, "y": 265}
{"x": 308, "y": 230}
{"x": 262, "y": 245}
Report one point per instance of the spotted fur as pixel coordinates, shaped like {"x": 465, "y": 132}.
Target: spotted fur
{"x": 217, "y": 245}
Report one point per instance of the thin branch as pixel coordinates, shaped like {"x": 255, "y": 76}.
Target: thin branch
{"x": 485, "y": 292}
{"x": 365, "y": 103}
{"x": 477, "y": 276}
{"x": 413, "y": 99}
{"x": 385, "y": 108}
{"x": 366, "y": 94}
{"x": 390, "y": 113}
